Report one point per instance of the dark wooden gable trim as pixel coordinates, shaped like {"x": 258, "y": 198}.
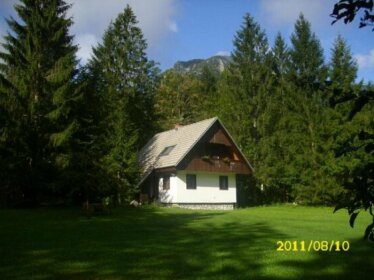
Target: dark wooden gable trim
{"x": 216, "y": 138}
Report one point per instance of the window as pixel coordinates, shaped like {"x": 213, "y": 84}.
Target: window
{"x": 191, "y": 181}
{"x": 166, "y": 182}
{"x": 166, "y": 150}
{"x": 223, "y": 182}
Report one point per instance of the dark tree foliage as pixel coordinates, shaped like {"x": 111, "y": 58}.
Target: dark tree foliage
{"x": 243, "y": 93}
{"x": 272, "y": 103}
{"x": 125, "y": 82}
{"x": 208, "y": 81}
{"x": 309, "y": 120}
{"x": 87, "y": 174}
{"x": 343, "y": 70}
{"x": 178, "y": 99}
{"x": 280, "y": 58}
{"x": 37, "y": 100}
{"x": 348, "y": 9}
{"x": 245, "y": 85}
{"x": 306, "y": 54}
{"x": 184, "y": 98}
{"x": 359, "y": 180}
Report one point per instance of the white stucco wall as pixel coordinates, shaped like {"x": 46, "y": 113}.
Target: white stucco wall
{"x": 207, "y": 188}
{"x": 168, "y": 196}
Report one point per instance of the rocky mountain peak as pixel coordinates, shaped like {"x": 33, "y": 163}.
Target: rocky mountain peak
{"x": 217, "y": 64}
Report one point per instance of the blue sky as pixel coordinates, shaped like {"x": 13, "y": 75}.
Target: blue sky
{"x": 187, "y": 29}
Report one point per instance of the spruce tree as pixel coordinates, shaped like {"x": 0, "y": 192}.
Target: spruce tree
{"x": 280, "y": 58}
{"x": 243, "y": 92}
{"x": 343, "y": 67}
{"x": 307, "y": 61}
{"x": 244, "y": 86}
{"x": 314, "y": 120}
{"x": 89, "y": 178}
{"x": 274, "y": 172}
{"x": 342, "y": 74}
{"x": 126, "y": 79}
{"x": 38, "y": 96}
{"x": 354, "y": 137}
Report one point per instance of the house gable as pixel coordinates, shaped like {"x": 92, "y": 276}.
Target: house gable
{"x": 194, "y": 166}
{"x": 185, "y": 148}
{"x": 215, "y": 152}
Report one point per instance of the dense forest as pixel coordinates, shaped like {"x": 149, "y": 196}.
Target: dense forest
{"x": 69, "y": 133}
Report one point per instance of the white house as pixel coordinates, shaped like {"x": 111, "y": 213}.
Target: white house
{"x": 193, "y": 166}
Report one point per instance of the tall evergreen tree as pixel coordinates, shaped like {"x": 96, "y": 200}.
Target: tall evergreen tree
{"x": 244, "y": 86}
{"x": 89, "y": 180}
{"x": 354, "y": 137}
{"x": 316, "y": 183}
{"x": 274, "y": 172}
{"x": 307, "y": 62}
{"x": 243, "y": 92}
{"x": 343, "y": 67}
{"x": 280, "y": 58}
{"x": 126, "y": 80}
{"x": 342, "y": 74}
{"x": 38, "y": 96}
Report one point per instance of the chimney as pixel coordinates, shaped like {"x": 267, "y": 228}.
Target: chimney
{"x": 177, "y": 125}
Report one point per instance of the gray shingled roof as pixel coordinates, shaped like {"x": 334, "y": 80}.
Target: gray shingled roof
{"x": 183, "y": 138}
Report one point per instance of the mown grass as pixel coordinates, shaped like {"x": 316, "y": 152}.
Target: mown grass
{"x": 161, "y": 243}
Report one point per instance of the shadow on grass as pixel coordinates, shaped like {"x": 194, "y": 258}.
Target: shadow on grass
{"x": 132, "y": 244}
{"x": 152, "y": 243}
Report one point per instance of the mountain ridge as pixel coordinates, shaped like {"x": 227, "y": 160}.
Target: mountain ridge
{"x": 216, "y": 64}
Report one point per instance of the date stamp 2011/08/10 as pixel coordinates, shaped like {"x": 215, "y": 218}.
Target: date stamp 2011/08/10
{"x": 312, "y": 246}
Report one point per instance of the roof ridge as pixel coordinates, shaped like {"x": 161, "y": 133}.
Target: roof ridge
{"x": 187, "y": 125}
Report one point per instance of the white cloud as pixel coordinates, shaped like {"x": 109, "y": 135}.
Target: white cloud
{"x": 365, "y": 60}
{"x": 278, "y": 13}
{"x": 92, "y": 17}
{"x": 223, "y": 53}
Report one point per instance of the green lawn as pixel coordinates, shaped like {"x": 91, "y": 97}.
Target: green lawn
{"x": 161, "y": 243}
